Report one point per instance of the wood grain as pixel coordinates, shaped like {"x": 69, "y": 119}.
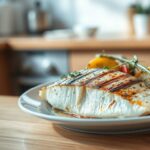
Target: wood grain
{"x": 20, "y": 131}
{"x": 38, "y": 43}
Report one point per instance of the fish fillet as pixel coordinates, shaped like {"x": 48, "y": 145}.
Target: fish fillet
{"x": 99, "y": 93}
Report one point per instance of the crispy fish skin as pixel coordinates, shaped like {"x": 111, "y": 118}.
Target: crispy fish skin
{"x": 88, "y": 101}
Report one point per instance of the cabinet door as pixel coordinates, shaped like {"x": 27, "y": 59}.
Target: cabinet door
{"x": 5, "y": 81}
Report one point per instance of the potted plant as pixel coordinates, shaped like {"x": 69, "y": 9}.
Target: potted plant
{"x": 141, "y": 21}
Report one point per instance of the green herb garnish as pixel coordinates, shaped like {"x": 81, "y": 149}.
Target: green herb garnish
{"x": 106, "y": 67}
{"x": 72, "y": 74}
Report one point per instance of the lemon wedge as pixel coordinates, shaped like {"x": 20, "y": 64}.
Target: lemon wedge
{"x": 101, "y": 62}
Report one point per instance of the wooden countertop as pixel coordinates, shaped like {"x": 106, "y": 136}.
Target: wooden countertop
{"x": 20, "y": 131}
{"x": 38, "y": 43}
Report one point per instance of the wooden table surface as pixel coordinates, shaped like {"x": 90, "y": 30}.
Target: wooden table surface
{"x": 21, "y": 131}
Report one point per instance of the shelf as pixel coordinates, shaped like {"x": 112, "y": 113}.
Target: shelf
{"x": 40, "y": 43}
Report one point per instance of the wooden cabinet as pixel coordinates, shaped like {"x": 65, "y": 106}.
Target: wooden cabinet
{"x": 5, "y": 75}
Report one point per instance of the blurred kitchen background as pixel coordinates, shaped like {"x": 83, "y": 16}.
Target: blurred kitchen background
{"x": 41, "y": 40}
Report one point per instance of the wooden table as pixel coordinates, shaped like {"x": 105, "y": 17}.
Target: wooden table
{"x": 20, "y": 131}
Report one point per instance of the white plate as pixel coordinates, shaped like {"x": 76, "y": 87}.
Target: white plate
{"x": 31, "y": 103}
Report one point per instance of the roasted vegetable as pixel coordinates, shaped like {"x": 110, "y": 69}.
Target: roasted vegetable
{"x": 124, "y": 68}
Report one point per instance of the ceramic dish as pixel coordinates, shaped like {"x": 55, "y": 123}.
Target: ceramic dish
{"x": 30, "y": 102}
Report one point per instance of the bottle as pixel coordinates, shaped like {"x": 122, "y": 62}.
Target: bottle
{"x": 131, "y": 13}
{"x": 37, "y": 19}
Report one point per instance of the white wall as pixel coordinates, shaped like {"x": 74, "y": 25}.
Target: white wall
{"x": 110, "y": 15}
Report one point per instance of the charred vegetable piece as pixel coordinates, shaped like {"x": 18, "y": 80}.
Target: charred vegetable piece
{"x": 124, "y": 69}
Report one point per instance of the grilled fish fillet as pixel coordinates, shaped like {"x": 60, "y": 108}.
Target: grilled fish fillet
{"x": 99, "y": 93}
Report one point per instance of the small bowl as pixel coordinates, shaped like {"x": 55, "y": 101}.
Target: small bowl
{"x": 85, "y": 31}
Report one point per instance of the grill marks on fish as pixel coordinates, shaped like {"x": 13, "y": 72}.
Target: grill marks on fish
{"x": 124, "y": 85}
{"x": 82, "y": 80}
{"x": 125, "y": 82}
{"x": 98, "y": 76}
{"x": 105, "y": 78}
{"x": 83, "y": 74}
{"x": 115, "y": 79}
{"x": 111, "y": 84}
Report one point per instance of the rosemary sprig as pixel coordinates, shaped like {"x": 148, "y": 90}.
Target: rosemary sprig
{"x": 132, "y": 62}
